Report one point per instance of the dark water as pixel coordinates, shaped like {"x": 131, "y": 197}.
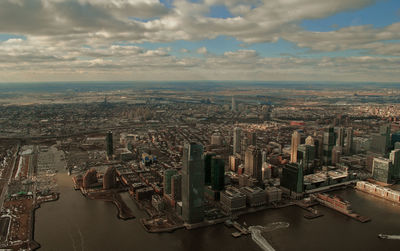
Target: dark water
{"x": 77, "y": 223}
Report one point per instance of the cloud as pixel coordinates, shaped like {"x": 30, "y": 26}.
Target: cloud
{"x": 149, "y": 20}
{"x": 349, "y": 38}
{"x": 97, "y": 39}
{"x": 202, "y": 50}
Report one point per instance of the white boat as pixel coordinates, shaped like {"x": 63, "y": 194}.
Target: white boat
{"x": 389, "y": 237}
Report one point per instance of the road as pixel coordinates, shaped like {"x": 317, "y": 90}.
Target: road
{"x": 9, "y": 177}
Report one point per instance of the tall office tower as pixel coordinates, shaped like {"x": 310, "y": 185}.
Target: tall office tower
{"x": 340, "y": 136}
{"x": 349, "y": 141}
{"x": 176, "y": 187}
{"x": 252, "y": 138}
{"x": 328, "y": 144}
{"x": 167, "y": 180}
{"x": 216, "y": 139}
{"x": 264, "y": 156}
{"x": 293, "y": 147}
{"x": 306, "y": 156}
{"x": 109, "y": 143}
{"x": 395, "y": 158}
{"x": 207, "y": 167}
{"x": 234, "y": 107}
{"x": 266, "y": 171}
{"x": 243, "y": 147}
{"x": 237, "y": 131}
{"x": 336, "y": 154}
{"x": 382, "y": 170}
{"x": 193, "y": 183}
{"x": 318, "y": 142}
{"x": 292, "y": 180}
{"x": 395, "y": 138}
{"x": 381, "y": 141}
{"x": 217, "y": 173}
{"x": 310, "y": 141}
{"x": 252, "y": 163}
{"x": 234, "y": 162}
{"x": 385, "y": 130}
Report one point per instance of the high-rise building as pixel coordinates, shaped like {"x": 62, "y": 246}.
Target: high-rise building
{"x": 217, "y": 173}
{"x": 176, "y": 187}
{"x": 266, "y": 171}
{"x": 349, "y": 141}
{"x": 216, "y": 139}
{"x": 378, "y": 144}
{"x": 306, "y": 156}
{"x": 294, "y": 145}
{"x": 292, "y": 180}
{"x": 382, "y": 170}
{"x": 234, "y": 162}
{"x": 340, "y": 136}
{"x": 167, "y": 180}
{"x": 395, "y": 138}
{"x": 234, "y": 106}
{"x": 243, "y": 146}
{"x": 252, "y": 139}
{"x": 310, "y": 141}
{"x": 109, "y": 144}
{"x": 395, "y": 158}
{"x": 207, "y": 167}
{"x": 381, "y": 141}
{"x": 328, "y": 144}
{"x": 264, "y": 156}
{"x": 193, "y": 183}
{"x": 252, "y": 163}
{"x": 336, "y": 154}
{"x": 237, "y": 131}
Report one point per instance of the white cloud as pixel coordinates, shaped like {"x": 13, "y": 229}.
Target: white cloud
{"x": 90, "y": 38}
{"x": 202, "y": 50}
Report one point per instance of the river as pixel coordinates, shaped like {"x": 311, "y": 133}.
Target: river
{"x": 77, "y": 223}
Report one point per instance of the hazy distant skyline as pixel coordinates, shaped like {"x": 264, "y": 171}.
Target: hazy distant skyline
{"x": 262, "y": 40}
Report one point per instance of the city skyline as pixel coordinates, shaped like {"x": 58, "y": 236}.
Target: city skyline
{"x": 126, "y": 40}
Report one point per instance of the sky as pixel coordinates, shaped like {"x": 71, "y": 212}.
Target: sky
{"x": 180, "y": 40}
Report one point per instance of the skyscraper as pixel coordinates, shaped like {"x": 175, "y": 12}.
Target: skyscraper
{"x": 167, "y": 180}
{"x": 340, "y": 136}
{"x": 294, "y": 145}
{"x": 381, "y": 141}
{"x": 217, "y": 173}
{"x": 292, "y": 178}
{"x": 109, "y": 143}
{"x": 264, "y": 156}
{"x": 193, "y": 183}
{"x": 237, "y": 131}
{"x": 207, "y": 167}
{"x": 176, "y": 187}
{"x": 328, "y": 144}
{"x": 382, "y": 170}
{"x": 395, "y": 158}
{"x": 243, "y": 147}
{"x": 349, "y": 141}
{"x": 336, "y": 154}
{"x": 234, "y": 108}
{"x": 385, "y": 131}
{"x": 310, "y": 141}
{"x": 306, "y": 155}
{"x": 252, "y": 138}
{"x": 252, "y": 163}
